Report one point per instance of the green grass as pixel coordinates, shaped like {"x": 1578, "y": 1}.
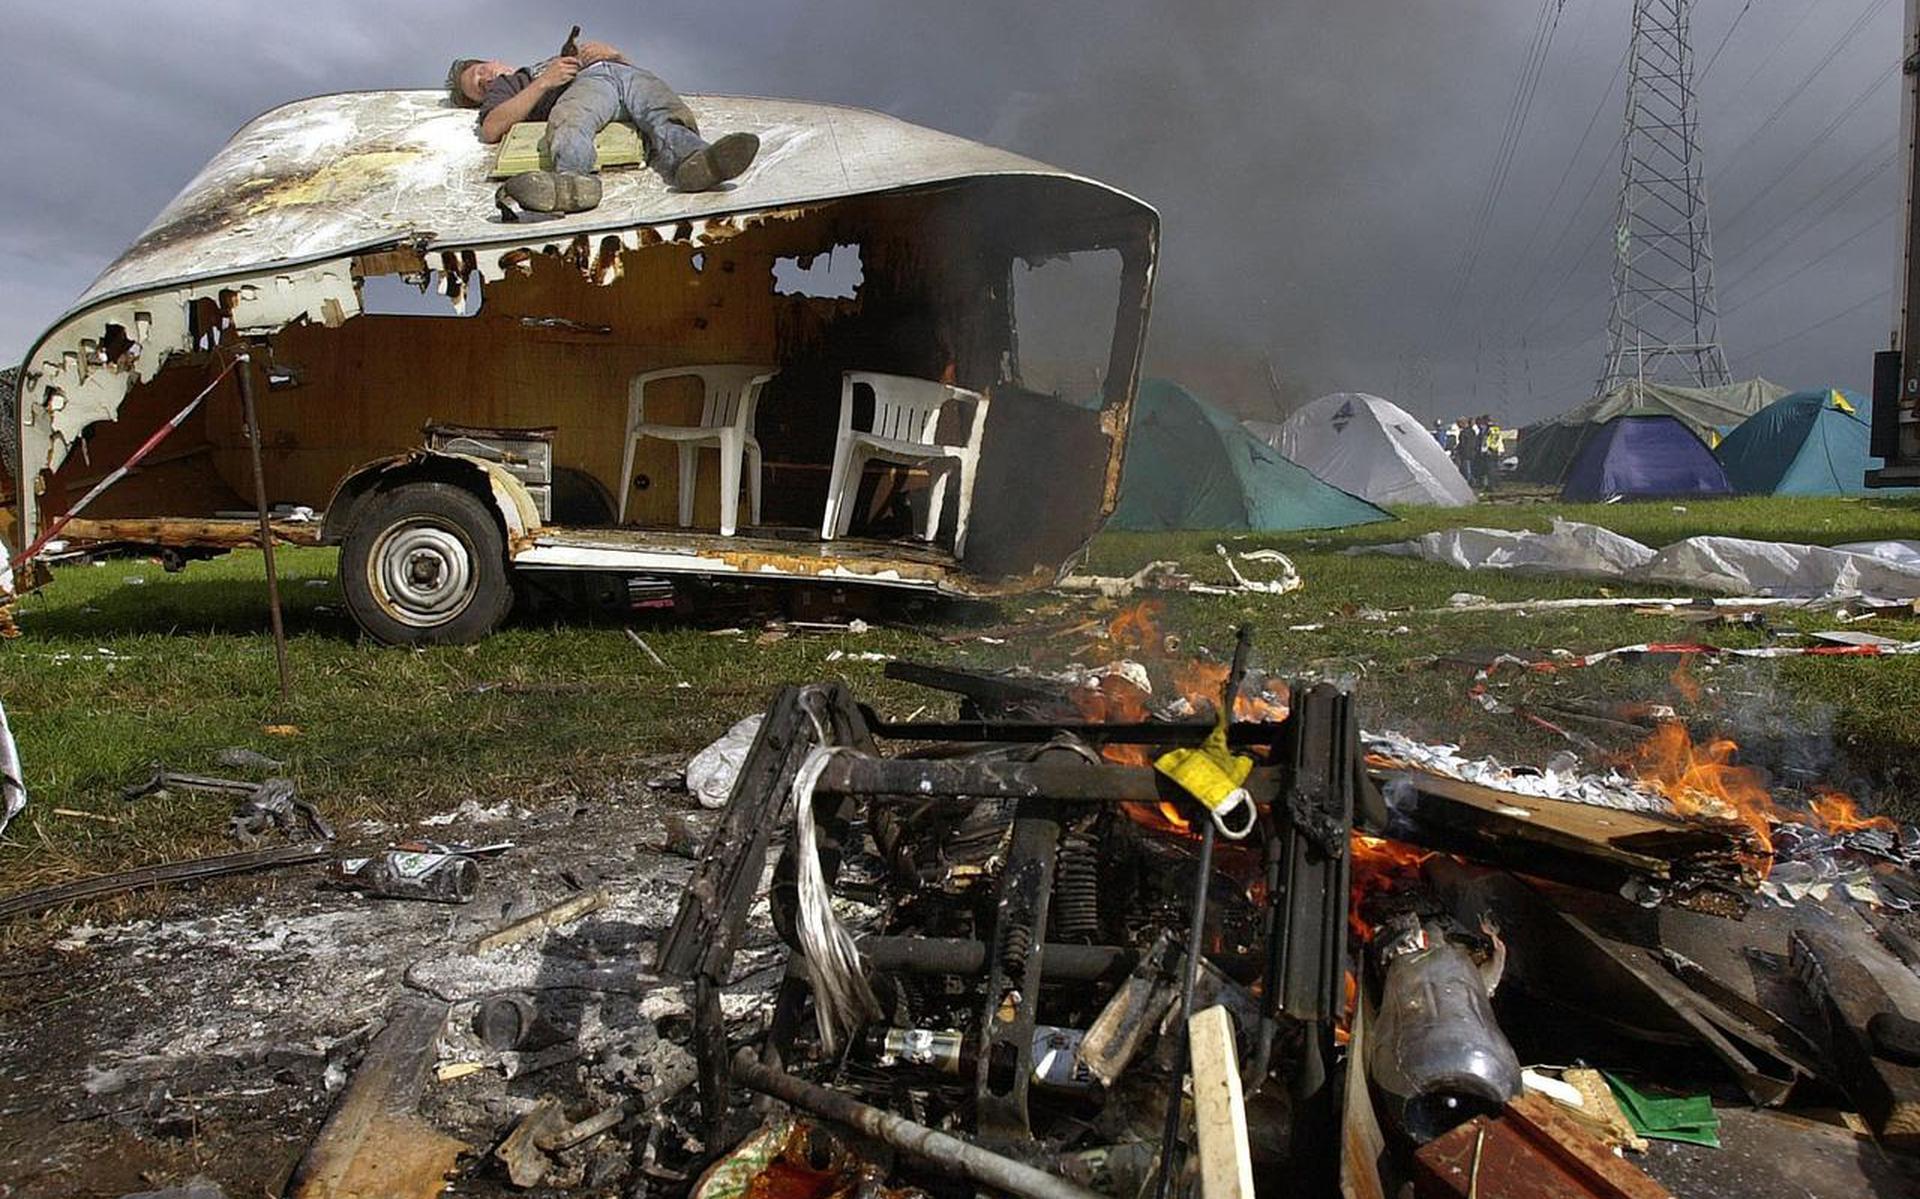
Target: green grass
{"x": 111, "y": 676}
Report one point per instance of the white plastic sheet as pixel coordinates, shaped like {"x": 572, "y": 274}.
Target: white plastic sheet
{"x": 713, "y": 771}
{"x": 13, "y": 787}
{"x": 1730, "y": 565}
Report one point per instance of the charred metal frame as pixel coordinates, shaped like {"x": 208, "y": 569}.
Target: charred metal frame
{"x": 1311, "y": 790}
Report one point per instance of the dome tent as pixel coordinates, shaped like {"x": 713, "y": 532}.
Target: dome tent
{"x": 1374, "y": 449}
{"x": 1549, "y": 447}
{"x": 1643, "y": 456}
{"x": 1810, "y": 443}
{"x": 1190, "y": 466}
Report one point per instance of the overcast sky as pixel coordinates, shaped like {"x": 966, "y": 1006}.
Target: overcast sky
{"x": 1318, "y": 165}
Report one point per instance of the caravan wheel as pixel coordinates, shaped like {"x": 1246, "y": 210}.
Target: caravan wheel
{"x": 426, "y": 565}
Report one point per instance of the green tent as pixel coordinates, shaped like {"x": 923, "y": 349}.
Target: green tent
{"x": 1810, "y": 443}
{"x": 1191, "y": 466}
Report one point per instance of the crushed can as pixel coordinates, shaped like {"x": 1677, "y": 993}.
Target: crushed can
{"x": 431, "y": 873}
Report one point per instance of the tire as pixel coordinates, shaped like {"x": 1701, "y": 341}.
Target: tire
{"x": 426, "y": 564}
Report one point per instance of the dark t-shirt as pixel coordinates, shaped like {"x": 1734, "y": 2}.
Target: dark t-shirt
{"x": 506, "y": 87}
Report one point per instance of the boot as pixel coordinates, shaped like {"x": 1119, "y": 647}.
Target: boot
{"x": 710, "y": 166}
{"x": 553, "y": 191}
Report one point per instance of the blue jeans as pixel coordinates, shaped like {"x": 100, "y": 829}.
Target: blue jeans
{"x": 614, "y": 91}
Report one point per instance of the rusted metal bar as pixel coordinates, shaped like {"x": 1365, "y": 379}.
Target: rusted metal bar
{"x": 143, "y": 877}
{"x": 1062, "y": 779}
{"x": 948, "y": 1153}
{"x": 252, "y": 418}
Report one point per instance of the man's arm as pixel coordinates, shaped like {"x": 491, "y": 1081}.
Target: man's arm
{"x": 515, "y": 108}
{"x": 593, "y": 52}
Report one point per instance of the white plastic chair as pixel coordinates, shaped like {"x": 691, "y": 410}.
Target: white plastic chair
{"x": 730, "y": 395}
{"x": 905, "y": 422}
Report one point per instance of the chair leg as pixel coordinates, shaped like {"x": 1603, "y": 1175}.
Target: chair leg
{"x": 753, "y": 481}
{"x": 625, "y": 484}
{"x": 964, "y": 507}
{"x": 937, "y": 500}
{"x": 689, "y": 481}
{"x": 849, "y": 487}
{"x": 730, "y": 454}
{"x": 830, "y": 518}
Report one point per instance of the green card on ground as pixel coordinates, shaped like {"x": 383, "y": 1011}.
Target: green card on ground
{"x": 524, "y": 149}
{"x": 1688, "y": 1118}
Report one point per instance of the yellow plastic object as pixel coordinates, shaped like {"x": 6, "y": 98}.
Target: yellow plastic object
{"x": 1840, "y": 402}
{"x": 524, "y": 149}
{"x": 1213, "y": 774}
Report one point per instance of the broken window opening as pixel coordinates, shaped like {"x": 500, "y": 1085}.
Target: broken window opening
{"x": 431, "y": 294}
{"x": 1064, "y": 309}
{"x": 834, "y": 275}
{"x": 699, "y": 263}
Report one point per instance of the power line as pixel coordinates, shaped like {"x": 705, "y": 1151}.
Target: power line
{"x": 1870, "y": 227}
{"x": 1818, "y": 141}
{"x": 1519, "y": 109}
{"x": 1778, "y": 246}
{"x": 1873, "y": 9}
{"x": 1715, "y": 56}
{"x": 1766, "y": 60}
{"x": 1882, "y": 294}
{"x": 1540, "y": 269}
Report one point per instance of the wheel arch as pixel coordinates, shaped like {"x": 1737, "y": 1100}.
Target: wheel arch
{"x": 505, "y": 496}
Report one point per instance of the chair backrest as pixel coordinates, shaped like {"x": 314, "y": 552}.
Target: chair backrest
{"x": 904, "y": 408}
{"x": 729, "y": 393}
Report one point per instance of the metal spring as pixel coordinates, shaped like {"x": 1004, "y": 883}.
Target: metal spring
{"x": 1076, "y": 889}
{"x": 1015, "y": 944}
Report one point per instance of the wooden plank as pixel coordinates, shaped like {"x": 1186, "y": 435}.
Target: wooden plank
{"x": 1843, "y": 979}
{"x": 215, "y": 533}
{"x": 1529, "y": 1151}
{"x": 372, "y": 1146}
{"x": 564, "y": 912}
{"x": 145, "y": 877}
{"x": 1219, "y": 1108}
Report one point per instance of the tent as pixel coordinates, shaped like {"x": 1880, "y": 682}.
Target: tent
{"x": 1190, "y": 466}
{"x": 1810, "y": 443}
{"x": 1643, "y": 456}
{"x": 1549, "y": 447}
{"x": 1372, "y": 448}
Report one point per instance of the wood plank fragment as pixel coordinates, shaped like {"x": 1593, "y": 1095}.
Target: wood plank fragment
{"x": 564, "y": 912}
{"x": 1843, "y": 980}
{"x": 1219, "y": 1108}
{"x": 372, "y": 1145}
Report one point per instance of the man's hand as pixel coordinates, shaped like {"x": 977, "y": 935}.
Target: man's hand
{"x": 593, "y": 52}
{"x": 558, "y": 73}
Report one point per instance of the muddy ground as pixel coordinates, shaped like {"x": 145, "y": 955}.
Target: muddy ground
{"x": 213, "y": 1038}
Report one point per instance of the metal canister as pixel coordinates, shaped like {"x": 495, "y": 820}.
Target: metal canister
{"x": 440, "y": 876}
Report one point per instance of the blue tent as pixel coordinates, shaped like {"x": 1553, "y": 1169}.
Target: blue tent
{"x": 1643, "y": 457}
{"x": 1809, "y": 443}
{"x": 1191, "y": 466}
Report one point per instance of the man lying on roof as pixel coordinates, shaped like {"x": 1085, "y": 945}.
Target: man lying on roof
{"x": 578, "y": 97}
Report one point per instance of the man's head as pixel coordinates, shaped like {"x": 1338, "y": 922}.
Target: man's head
{"x": 468, "y": 78}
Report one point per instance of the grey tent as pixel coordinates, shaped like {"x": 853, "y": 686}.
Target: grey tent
{"x": 1548, "y": 448}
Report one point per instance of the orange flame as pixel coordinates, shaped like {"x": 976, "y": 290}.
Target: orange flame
{"x": 1838, "y": 814}
{"x": 1377, "y": 864}
{"x": 1702, "y": 780}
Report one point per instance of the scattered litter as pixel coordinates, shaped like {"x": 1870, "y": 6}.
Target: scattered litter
{"x": 712, "y": 771}
{"x": 840, "y": 655}
{"x": 13, "y": 787}
{"x": 240, "y": 758}
{"x": 1731, "y": 565}
{"x": 1687, "y": 1118}
{"x": 646, "y": 649}
{"x": 413, "y": 871}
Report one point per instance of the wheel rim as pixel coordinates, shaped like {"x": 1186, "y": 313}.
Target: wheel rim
{"x": 421, "y": 572}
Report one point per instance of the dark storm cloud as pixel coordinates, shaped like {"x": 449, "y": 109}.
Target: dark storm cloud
{"x": 1318, "y": 164}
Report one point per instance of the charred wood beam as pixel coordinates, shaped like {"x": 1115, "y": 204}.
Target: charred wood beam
{"x": 1842, "y": 978}
{"x": 948, "y": 955}
{"x": 1060, "y": 778}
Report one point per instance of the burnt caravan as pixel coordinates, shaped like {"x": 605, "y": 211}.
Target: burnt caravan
{"x": 833, "y": 344}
